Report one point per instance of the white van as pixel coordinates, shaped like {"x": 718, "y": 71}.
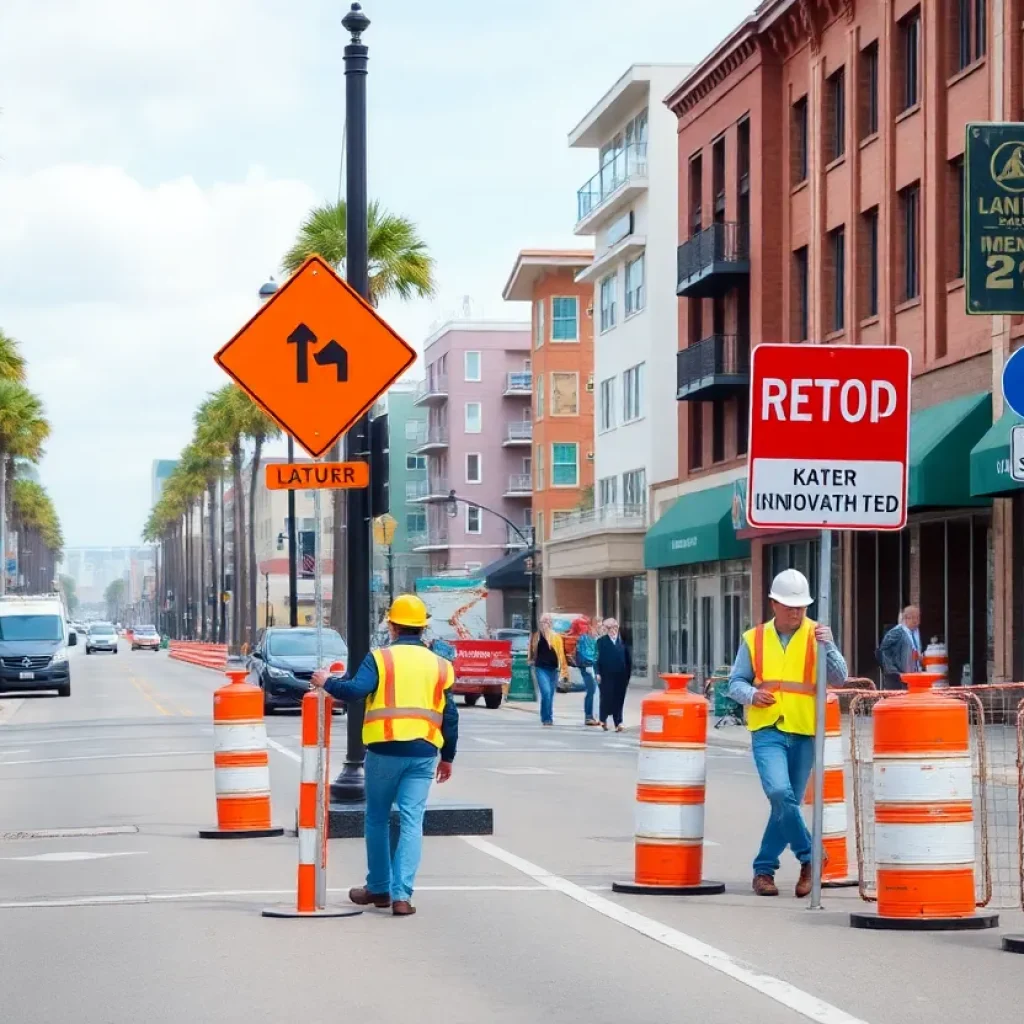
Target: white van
{"x": 34, "y": 641}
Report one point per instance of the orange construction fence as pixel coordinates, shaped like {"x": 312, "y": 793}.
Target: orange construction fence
{"x": 213, "y": 656}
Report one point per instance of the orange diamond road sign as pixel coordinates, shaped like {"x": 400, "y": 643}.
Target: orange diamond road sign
{"x": 315, "y": 357}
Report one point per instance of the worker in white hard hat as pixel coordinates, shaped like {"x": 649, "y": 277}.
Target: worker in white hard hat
{"x": 774, "y": 675}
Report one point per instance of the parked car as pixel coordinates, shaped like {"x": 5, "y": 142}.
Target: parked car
{"x": 145, "y": 638}
{"x": 101, "y": 637}
{"x": 283, "y": 661}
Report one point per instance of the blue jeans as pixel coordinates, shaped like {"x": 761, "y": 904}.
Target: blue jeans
{"x": 590, "y": 682}
{"x": 405, "y": 782}
{"x": 547, "y": 680}
{"x": 784, "y": 761}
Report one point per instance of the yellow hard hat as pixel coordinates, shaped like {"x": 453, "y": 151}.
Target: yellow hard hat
{"x": 408, "y": 610}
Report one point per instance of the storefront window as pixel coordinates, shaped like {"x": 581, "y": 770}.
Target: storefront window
{"x": 804, "y": 555}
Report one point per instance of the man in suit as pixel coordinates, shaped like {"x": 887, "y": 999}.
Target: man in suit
{"x": 900, "y": 650}
{"x": 614, "y": 667}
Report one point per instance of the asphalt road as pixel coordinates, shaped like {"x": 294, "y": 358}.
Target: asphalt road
{"x": 136, "y": 918}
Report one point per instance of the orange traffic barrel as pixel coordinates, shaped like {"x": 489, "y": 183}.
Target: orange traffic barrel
{"x": 669, "y": 832}
{"x": 836, "y": 872}
{"x": 924, "y": 814}
{"x": 241, "y": 767}
{"x": 313, "y": 812}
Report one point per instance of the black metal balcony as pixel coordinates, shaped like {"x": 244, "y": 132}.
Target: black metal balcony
{"x": 713, "y": 260}
{"x": 715, "y": 367}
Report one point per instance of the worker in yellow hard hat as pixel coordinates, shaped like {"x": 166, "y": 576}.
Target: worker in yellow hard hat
{"x": 410, "y": 716}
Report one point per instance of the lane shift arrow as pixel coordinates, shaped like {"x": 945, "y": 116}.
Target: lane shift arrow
{"x": 302, "y": 337}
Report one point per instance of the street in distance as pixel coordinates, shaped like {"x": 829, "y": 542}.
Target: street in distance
{"x": 838, "y": 492}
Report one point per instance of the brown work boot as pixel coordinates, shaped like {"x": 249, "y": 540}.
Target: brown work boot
{"x": 362, "y": 897}
{"x": 403, "y": 908}
{"x": 764, "y": 885}
{"x": 803, "y": 884}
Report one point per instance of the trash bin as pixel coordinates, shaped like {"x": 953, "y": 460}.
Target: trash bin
{"x": 165, "y": 642}
{"x": 521, "y": 687}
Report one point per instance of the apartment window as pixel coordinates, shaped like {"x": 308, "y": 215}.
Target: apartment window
{"x": 696, "y": 195}
{"x": 696, "y": 435}
{"x": 565, "y": 394}
{"x": 980, "y": 28}
{"x": 538, "y": 324}
{"x": 837, "y": 114}
{"x": 869, "y": 90}
{"x": 910, "y": 58}
{"x": 799, "y": 132}
{"x": 635, "y": 285}
{"x": 415, "y": 463}
{"x": 472, "y": 366}
{"x": 538, "y": 463}
{"x": 972, "y": 28}
{"x": 955, "y": 220}
{"x": 800, "y": 294}
{"x": 474, "y": 519}
{"x": 608, "y": 303}
{"x": 606, "y": 413}
{"x": 718, "y": 431}
{"x": 742, "y": 424}
{"x": 416, "y": 521}
{"x": 412, "y": 430}
{"x": 633, "y": 393}
{"x": 565, "y": 312}
{"x": 870, "y": 235}
{"x": 718, "y": 179}
{"x": 607, "y": 491}
{"x": 743, "y": 175}
{"x": 538, "y": 396}
{"x": 837, "y": 245}
{"x": 474, "y": 418}
{"x": 565, "y": 470}
{"x": 634, "y": 487}
{"x": 473, "y": 468}
{"x": 910, "y": 208}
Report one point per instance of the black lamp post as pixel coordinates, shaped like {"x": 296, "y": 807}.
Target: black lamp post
{"x": 452, "y": 503}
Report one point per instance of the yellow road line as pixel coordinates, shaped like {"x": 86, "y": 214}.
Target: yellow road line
{"x": 152, "y": 700}
{"x": 151, "y": 692}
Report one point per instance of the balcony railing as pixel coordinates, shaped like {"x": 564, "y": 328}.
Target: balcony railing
{"x": 435, "y": 387}
{"x": 436, "y": 536}
{"x": 520, "y": 483}
{"x": 599, "y": 520}
{"x": 715, "y": 367}
{"x": 514, "y": 540}
{"x": 412, "y": 489}
{"x": 518, "y": 432}
{"x": 436, "y": 436}
{"x": 629, "y": 162}
{"x": 433, "y": 488}
{"x": 710, "y": 262}
{"x": 519, "y": 383}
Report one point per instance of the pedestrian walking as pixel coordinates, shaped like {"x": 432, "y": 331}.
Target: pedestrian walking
{"x": 547, "y": 655}
{"x": 614, "y": 667}
{"x": 586, "y": 657}
{"x": 410, "y": 716}
{"x": 774, "y": 676}
{"x": 900, "y": 649}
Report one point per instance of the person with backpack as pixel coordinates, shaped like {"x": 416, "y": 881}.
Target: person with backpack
{"x": 586, "y": 656}
{"x": 900, "y": 649}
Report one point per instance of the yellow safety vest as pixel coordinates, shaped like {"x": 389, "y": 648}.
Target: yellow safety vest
{"x": 789, "y": 673}
{"x": 410, "y": 696}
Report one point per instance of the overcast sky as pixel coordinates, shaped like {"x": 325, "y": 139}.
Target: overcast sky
{"x": 156, "y": 158}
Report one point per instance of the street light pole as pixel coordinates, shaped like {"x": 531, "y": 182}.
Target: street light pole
{"x": 349, "y": 786}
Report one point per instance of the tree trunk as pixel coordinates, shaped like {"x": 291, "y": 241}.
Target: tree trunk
{"x": 339, "y": 582}
{"x": 215, "y": 582}
{"x": 240, "y": 590}
{"x": 203, "y": 603}
{"x": 3, "y": 524}
{"x": 253, "y": 569}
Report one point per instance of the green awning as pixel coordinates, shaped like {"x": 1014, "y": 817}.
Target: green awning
{"x": 990, "y": 460}
{"x": 697, "y": 528}
{"x": 941, "y": 439}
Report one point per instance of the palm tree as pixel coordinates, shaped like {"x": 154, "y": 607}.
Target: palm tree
{"x": 399, "y": 265}
{"x": 42, "y": 542}
{"x": 211, "y": 452}
{"x": 12, "y": 362}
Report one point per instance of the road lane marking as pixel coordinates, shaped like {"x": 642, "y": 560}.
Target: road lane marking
{"x": 9, "y": 708}
{"x": 72, "y": 833}
{"x": 67, "y": 856}
{"x": 282, "y": 749}
{"x": 484, "y": 739}
{"x": 145, "y": 693}
{"x": 522, "y": 771}
{"x": 108, "y": 757}
{"x": 780, "y": 991}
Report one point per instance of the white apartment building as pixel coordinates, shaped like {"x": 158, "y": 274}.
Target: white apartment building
{"x": 629, "y": 206}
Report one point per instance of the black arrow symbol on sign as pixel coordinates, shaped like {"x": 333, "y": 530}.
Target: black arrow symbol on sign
{"x": 302, "y": 337}
{"x": 333, "y": 353}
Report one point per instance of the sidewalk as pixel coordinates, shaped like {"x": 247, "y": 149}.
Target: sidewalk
{"x": 569, "y": 711}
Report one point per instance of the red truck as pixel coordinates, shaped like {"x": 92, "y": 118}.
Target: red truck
{"x": 482, "y": 668}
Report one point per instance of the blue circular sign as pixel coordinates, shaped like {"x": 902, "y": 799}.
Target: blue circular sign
{"x": 1013, "y": 382}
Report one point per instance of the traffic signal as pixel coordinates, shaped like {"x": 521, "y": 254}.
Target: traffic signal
{"x": 380, "y": 467}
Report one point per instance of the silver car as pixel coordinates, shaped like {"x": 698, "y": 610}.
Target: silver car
{"x": 101, "y": 637}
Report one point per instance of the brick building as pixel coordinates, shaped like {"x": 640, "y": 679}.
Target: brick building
{"x": 563, "y": 401}
{"x": 821, "y": 194}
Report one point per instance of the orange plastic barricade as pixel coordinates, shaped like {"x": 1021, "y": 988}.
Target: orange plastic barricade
{"x": 669, "y": 837}
{"x": 192, "y": 652}
{"x": 241, "y": 768}
{"x": 836, "y": 872}
{"x": 924, "y": 815}
{"x": 314, "y": 794}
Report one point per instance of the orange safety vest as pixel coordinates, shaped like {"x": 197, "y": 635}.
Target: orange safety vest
{"x": 790, "y": 673}
{"x": 408, "y": 703}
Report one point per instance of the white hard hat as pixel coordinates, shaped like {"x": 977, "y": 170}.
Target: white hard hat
{"x": 791, "y": 588}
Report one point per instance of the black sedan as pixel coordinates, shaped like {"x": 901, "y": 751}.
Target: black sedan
{"x": 284, "y": 660}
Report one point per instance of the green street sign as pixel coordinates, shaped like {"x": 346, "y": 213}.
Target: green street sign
{"x": 994, "y": 218}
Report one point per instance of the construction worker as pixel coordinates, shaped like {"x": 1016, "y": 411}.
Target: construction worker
{"x": 774, "y": 675}
{"x": 410, "y": 715}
